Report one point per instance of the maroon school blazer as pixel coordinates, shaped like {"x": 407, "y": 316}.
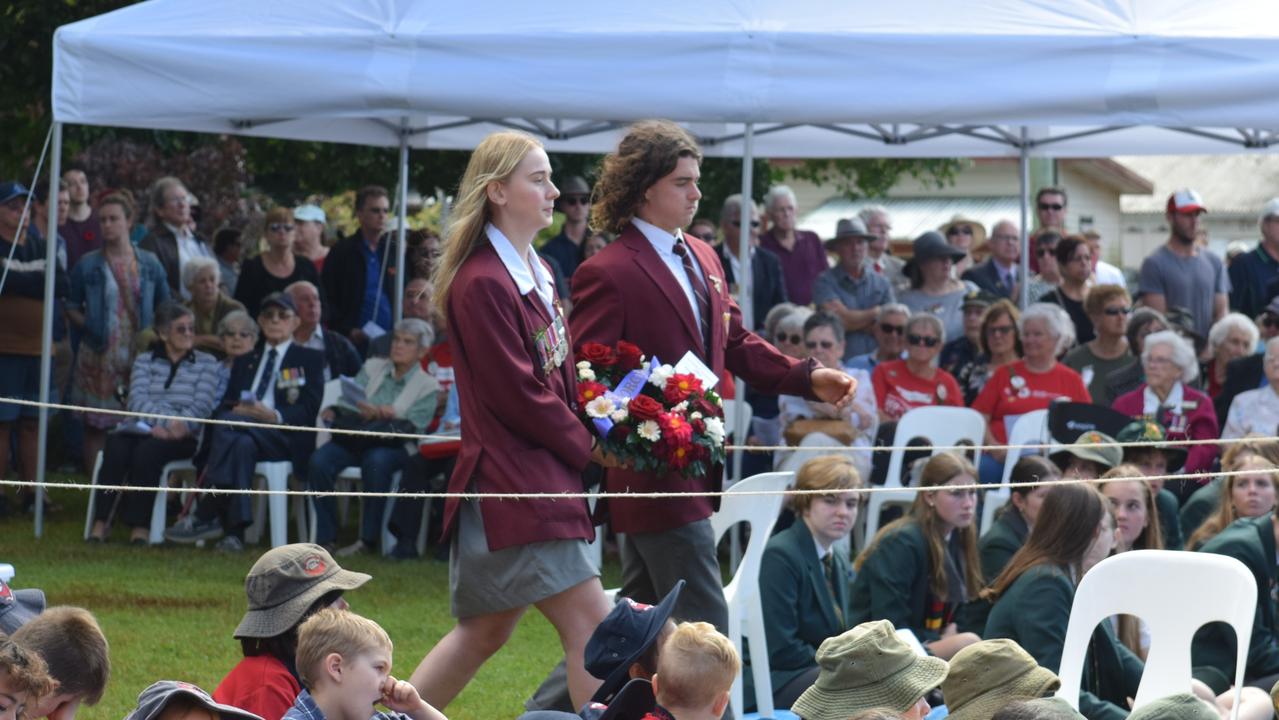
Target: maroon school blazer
{"x": 520, "y": 432}
{"x": 626, "y": 292}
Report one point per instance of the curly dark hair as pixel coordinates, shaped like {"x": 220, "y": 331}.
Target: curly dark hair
{"x": 648, "y": 153}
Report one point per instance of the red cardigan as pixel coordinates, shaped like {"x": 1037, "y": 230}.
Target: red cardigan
{"x": 1199, "y": 423}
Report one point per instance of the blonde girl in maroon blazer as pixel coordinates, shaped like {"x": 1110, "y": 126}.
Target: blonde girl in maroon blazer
{"x": 516, "y": 387}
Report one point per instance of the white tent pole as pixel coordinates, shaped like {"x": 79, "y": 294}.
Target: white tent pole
{"x": 397, "y": 303}
{"x": 46, "y": 342}
{"x": 1023, "y": 174}
{"x": 741, "y": 422}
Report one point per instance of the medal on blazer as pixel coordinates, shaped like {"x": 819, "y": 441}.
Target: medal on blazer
{"x": 290, "y": 381}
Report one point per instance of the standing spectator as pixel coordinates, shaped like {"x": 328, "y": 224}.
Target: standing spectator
{"x": 966, "y": 235}
{"x": 40, "y": 223}
{"x": 1075, "y": 260}
{"x": 800, "y": 251}
{"x": 1048, "y": 278}
{"x": 227, "y": 250}
{"x": 171, "y": 238}
{"x": 358, "y": 288}
{"x": 1182, "y": 274}
{"x": 340, "y": 356}
{"x": 1257, "y": 411}
{"x": 703, "y": 228}
{"x": 209, "y": 304}
{"x": 575, "y": 202}
{"x": 851, "y": 291}
{"x": 1167, "y": 398}
{"x": 1050, "y": 208}
{"x": 172, "y": 378}
{"x": 1000, "y": 345}
{"x": 1103, "y": 273}
{"x": 768, "y": 287}
{"x": 890, "y": 338}
{"x": 902, "y": 385}
{"x": 80, "y": 225}
{"x": 879, "y": 255}
{"x": 277, "y": 383}
{"x": 959, "y": 353}
{"x": 21, "y": 320}
{"x": 1252, "y": 273}
{"x": 933, "y": 286}
{"x": 310, "y": 221}
{"x": 1030, "y": 383}
{"x": 1108, "y": 308}
{"x": 277, "y": 267}
{"x": 1231, "y": 338}
{"x": 998, "y": 274}
{"x": 114, "y": 294}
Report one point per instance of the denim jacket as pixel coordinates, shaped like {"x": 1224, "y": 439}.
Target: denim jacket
{"x": 88, "y": 293}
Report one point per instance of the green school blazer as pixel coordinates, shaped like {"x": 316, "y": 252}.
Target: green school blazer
{"x": 1169, "y": 520}
{"x": 798, "y": 609}
{"x": 1004, "y": 538}
{"x": 1035, "y": 611}
{"x": 1201, "y": 504}
{"x": 1251, "y": 541}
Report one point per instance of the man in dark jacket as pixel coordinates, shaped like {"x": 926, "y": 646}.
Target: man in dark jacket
{"x": 359, "y": 273}
{"x": 172, "y": 237}
{"x": 768, "y": 287}
{"x": 340, "y": 356}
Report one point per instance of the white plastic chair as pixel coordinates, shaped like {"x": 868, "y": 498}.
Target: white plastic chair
{"x": 160, "y": 508}
{"x": 741, "y": 594}
{"x": 1175, "y": 593}
{"x": 276, "y": 476}
{"x": 6, "y": 572}
{"x": 943, "y": 426}
{"x": 1030, "y": 429}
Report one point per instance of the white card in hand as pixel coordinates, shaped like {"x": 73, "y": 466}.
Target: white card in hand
{"x": 372, "y": 330}
{"x": 690, "y": 364}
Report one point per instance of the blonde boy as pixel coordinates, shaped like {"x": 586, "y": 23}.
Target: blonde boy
{"x": 345, "y": 664}
{"x": 24, "y": 680}
{"x": 695, "y": 672}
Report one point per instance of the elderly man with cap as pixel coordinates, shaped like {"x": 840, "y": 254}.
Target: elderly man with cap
{"x": 285, "y": 586}
{"x": 850, "y": 291}
{"x": 961, "y": 352}
{"x": 566, "y": 248}
{"x": 309, "y": 242}
{"x": 280, "y": 382}
{"x": 1180, "y": 273}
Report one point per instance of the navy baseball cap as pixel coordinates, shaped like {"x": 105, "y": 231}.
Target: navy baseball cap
{"x": 11, "y": 190}
{"x": 625, "y": 634}
{"x": 280, "y": 300}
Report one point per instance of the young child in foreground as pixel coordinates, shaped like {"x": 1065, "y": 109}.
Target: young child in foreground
{"x": 73, "y": 648}
{"x": 24, "y": 680}
{"x": 344, "y": 661}
{"x": 695, "y": 672}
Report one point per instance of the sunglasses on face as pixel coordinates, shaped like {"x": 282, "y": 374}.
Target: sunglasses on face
{"x": 280, "y": 227}
{"x": 792, "y": 339}
{"x": 1050, "y": 206}
{"x": 738, "y": 223}
{"x": 892, "y": 329}
{"x": 1046, "y": 251}
{"x": 576, "y": 200}
{"x": 276, "y": 315}
{"x": 921, "y": 340}
{"x": 1117, "y": 311}
{"x": 237, "y": 333}
{"x": 823, "y": 344}
{"x": 1000, "y": 329}
{"x": 960, "y": 230}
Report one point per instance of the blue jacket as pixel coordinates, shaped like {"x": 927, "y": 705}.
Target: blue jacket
{"x": 88, "y": 293}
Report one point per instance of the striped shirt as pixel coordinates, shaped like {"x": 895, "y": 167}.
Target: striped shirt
{"x": 304, "y": 708}
{"x": 188, "y": 388}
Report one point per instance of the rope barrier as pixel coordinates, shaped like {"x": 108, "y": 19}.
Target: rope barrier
{"x": 603, "y": 494}
{"x": 729, "y": 448}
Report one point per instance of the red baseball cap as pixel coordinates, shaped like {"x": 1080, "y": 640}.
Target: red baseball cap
{"x": 1186, "y": 201}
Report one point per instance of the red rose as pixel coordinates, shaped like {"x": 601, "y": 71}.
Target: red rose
{"x": 620, "y": 432}
{"x": 587, "y": 391}
{"x": 706, "y": 408}
{"x": 643, "y": 407}
{"x": 680, "y": 387}
{"x": 597, "y": 355}
{"x": 629, "y": 355}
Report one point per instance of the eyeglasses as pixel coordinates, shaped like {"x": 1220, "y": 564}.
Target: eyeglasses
{"x": 280, "y": 227}
{"x": 891, "y": 328}
{"x": 182, "y": 329}
{"x": 823, "y": 344}
{"x": 1117, "y": 311}
{"x": 918, "y": 340}
{"x": 1046, "y": 251}
{"x": 960, "y": 230}
{"x": 575, "y": 200}
{"x": 237, "y": 333}
{"x": 792, "y": 339}
{"x": 277, "y": 314}
{"x": 1000, "y": 329}
{"x": 738, "y": 223}
{"x": 1051, "y": 206}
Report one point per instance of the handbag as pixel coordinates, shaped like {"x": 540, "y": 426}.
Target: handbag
{"x": 347, "y": 419}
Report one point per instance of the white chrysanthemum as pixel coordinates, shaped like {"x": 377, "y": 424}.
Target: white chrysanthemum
{"x": 649, "y": 431}
{"x": 682, "y": 407}
{"x": 715, "y": 430}
{"x": 600, "y": 407}
{"x": 619, "y": 415}
{"x": 584, "y": 365}
{"x": 660, "y": 375}
{"x": 585, "y": 373}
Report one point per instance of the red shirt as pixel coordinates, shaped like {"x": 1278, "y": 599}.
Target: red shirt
{"x": 1014, "y": 391}
{"x": 260, "y": 684}
{"x": 898, "y": 390}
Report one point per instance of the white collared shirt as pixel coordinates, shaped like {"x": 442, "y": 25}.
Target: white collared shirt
{"x": 269, "y": 399}
{"x": 735, "y": 263}
{"x": 664, "y": 243}
{"x": 188, "y": 247}
{"x": 1151, "y": 404}
{"x": 538, "y": 280}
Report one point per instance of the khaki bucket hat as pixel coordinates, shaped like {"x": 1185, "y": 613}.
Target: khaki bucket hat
{"x": 988, "y": 675}
{"x": 285, "y": 582}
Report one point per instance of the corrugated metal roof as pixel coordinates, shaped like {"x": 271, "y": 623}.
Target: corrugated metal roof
{"x": 913, "y": 217}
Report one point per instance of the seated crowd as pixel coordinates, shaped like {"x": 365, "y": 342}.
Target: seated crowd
{"x": 163, "y": 326}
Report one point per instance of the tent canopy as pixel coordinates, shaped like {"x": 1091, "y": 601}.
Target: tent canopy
{"x": 817, "y": 77}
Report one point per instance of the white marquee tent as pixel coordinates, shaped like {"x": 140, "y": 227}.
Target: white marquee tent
{"x": 801, "y": 78}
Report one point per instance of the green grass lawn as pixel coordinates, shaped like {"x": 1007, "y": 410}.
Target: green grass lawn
{"x": 168, "y": 612}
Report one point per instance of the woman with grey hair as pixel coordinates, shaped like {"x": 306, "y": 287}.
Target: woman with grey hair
{"x": 788, "y": 335}
{"x": 1166, "y": 396}
{"x": 202, "y": 279}
{"x": 1030, "y": 383}
{"x": 398, "y": 396}
{"x": 1232, "y": 337}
